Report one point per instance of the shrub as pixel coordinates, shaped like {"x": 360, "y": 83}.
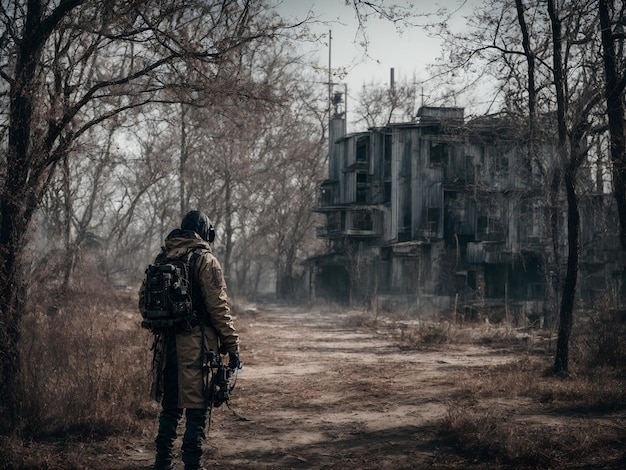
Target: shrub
{"x": 85, "y": 369}
{"x": 603, "y": 336}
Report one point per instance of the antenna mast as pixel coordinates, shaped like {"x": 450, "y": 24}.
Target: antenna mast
{"x": 330, "y": 82}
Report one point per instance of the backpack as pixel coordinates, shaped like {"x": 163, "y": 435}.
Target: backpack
{"x": 168, "y": 293}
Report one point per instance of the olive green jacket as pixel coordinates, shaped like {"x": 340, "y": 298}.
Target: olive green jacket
{"x": 216, "y": 322}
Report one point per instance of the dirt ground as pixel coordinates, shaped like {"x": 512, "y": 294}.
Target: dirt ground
{"x": 317, "y": 392}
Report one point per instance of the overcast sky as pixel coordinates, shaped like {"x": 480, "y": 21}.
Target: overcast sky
{"x": 407, "y": 52}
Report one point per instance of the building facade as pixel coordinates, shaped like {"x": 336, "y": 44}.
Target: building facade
{"x": 442, "y": 214}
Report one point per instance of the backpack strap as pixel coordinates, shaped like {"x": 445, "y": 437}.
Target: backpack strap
{"x": 196, "y": 253}
{"x": 162, "y": 256}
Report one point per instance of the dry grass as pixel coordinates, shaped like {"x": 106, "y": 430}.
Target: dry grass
{"x": 600, "y": 337}
{"x": 426, "y": 335}
{"x": 517, "y": 415}
{"x": 84, "y": 369}
{"x": 85, "y": 378}
{"x": 86, "y": 373}
{"x": 501, "y": 437}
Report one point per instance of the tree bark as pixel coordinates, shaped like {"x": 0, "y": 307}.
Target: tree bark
{"x": 566, "y": 317}
{"x": 532, "y": 92}
{"x": 566, "y": 313}
{"x": 614, "y": 88}
{"x": 16, "y": 205}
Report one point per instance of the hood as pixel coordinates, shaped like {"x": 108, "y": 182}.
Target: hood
{"x": 179, "y": 242}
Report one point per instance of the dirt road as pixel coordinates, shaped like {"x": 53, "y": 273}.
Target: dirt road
{"x": 321, "y": 391}
{"x": 318, "y": 392}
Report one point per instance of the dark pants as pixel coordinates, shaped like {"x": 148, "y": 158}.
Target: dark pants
{"x": 170, "y": 416}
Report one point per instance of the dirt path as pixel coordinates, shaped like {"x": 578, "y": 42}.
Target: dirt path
{"x": 319, "y": 393}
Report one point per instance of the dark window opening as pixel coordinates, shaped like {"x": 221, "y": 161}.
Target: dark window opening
{"x": 486, "y": 225}
{"x": 482, "y": 224}
{"x": 387, "y": 192}
{"x": 387, "y": 149}
{"x": 361, "y": 187}
{"x": 387, "y": 156}
{"x": 438, "y": 153}
{"x": 334, "y": 222}
{"x": 432, "y": 219}
{"x": 361, "y": 195}
{"x": 469, "y": 168}
{"x": 495, "y": 281}
{"x": 361, "y": 150}
{"x": 502, "y": 164}
{"x": 327, "y": 196}
{"x": 362, "y": 220}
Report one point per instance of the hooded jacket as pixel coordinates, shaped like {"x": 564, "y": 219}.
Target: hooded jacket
{"x": 215, "y": 331}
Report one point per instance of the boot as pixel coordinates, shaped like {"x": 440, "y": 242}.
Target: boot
{"x": 168, "y": 422}
{"x": 193, "y": 438}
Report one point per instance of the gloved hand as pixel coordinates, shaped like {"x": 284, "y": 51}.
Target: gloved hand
{"x": 233, "y": 361}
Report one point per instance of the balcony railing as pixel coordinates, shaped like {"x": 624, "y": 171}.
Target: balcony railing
{"x": 355, "y": 222}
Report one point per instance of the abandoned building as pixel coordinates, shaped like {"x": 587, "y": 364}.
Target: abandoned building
{"x": 446, "y": 215}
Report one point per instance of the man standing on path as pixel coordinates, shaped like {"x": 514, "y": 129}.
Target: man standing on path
{"x": 180, "y": 351}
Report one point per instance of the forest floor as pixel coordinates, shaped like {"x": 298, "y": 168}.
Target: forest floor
{"x": 324, "y": 389}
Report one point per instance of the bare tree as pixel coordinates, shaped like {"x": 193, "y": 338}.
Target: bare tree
{"x": 102, "y": 58}
{"x": 570, "y": 158}
{"x": 379, "y": 105}
{"x": 544, "y": 66}
{"x": 242, "y": 149}
{"x": 615, "y": 82}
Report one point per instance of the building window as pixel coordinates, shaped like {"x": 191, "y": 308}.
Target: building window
{"x": 438, "y": 153}
{"x": 361, "y": 150}
{"x": 432, "y": 219}
{"x": 529, "y": 221}
{"x": 469, "y": 168}
{"x": 387, "y": 192}
{"x": 387, "y": 149}
{"x": 361, "y": 187}
{"x": 362, "y": 220}
{"x": 334, "y": 222}
{"x": 502, "y": 164}
{"x": 326, "y": 196}
{"x": 387, "y": 157}
{"x": 486, "y": 225}
{"x": 482, "y": 224}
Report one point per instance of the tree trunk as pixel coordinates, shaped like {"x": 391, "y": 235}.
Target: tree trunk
{"x": 555, "y": 182}
{"x": 69, "y": 255}
{"x": 566, "y": 312}
{"x": 615, "y": 111}
{"x": 228, "y": 229}
{"x": 566, "y": 316}
{"x": 11, "y": 306}
{"x": 16, "y": 211}
{"x": 532, "y": 92}
{"x": 184, "y": 156}
{"x": 16, "y": 207}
